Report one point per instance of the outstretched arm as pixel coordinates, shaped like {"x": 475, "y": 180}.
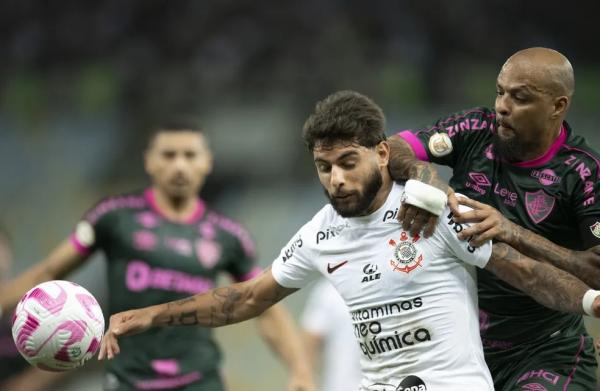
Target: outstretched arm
{"x": 280, "y": 332}
{"x": 404, "y": 165}
{"x": 60, "y": 262}
{"x": 548, "y": 285}
{"x": 218, "y": 307}
{"x": 492, "y": 225}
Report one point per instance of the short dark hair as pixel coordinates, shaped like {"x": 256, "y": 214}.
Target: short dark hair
{"x": 173, "y": 125}
{"x": 345, "y": 116}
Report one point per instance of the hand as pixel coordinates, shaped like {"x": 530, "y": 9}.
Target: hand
{"x": 121, "y": 324}
{"x": 301, "y": 383}
{"x": 596, "y": 311}
{"x": 489, "y": 223}
{"x": 415, "y": 219}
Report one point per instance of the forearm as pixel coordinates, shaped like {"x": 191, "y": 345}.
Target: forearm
{"x": 582, "y": 264}
{"x": 218, "y": 307}
{"x": 404, "y": 165}
{"x": 279, "y": 331}
{"x": 548, "y": 285}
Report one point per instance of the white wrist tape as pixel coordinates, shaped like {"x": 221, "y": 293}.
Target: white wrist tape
{"x": 588, "y": 300}
{"x": 425, "y": 196}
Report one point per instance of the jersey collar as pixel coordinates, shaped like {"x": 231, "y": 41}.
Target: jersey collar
{"x": 391, "y": 203}
{"x": 191, "y": 219}
{"x": 550, "y": 153}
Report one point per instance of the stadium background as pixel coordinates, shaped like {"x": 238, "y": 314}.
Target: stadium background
{"x": 82, "y": 82}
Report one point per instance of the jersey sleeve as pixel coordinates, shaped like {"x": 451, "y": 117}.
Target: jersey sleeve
{"x": 586, "y": 200}
{"x": 449, "y": 229}
{"x": 92, "y": 231}
{"x": 450, "y": 138}
{"x": 294, "y": 267}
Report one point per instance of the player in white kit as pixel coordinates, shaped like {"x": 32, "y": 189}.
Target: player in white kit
{"x": 412, "y": 299}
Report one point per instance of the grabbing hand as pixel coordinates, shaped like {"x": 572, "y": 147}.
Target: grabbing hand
{"x": 415, "y": 219}
{"x": 489, "y": 223}
{"x": 121, "y": 324}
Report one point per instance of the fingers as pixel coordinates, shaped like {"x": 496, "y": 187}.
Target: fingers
{"x": 430, "y": 226}
{"x": 453, "y": 202}
{"x": 419, "y": 221}
{"x": 408, "y": 216}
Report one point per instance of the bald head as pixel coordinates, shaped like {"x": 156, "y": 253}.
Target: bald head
{"x": 547, "y": 70}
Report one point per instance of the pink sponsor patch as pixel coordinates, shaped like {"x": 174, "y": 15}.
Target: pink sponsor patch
{"x": 208, "y": 252}
{"x": 208, "y": 231}
{"x": 166, "y": 367}
{"x": 144, "y": 240}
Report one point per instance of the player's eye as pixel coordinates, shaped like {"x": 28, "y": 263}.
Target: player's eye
{"x": 169, "y": 155}
{"x": 190, "y": 155}
{"x": 325, "y": 168}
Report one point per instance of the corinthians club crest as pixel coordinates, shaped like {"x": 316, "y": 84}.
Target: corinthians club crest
{"x": 406, "y": 258}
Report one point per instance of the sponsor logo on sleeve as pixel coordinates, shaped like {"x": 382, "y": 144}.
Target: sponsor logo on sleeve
{"x": 291, "y": 249}
{"x": 595, "y": 228}
{"x": 440, "y": 144}
{"x": 457, "y": 228}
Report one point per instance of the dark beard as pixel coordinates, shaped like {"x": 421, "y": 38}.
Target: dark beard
{"x": 372, "y": 186}
{"x": 509, "y": 150}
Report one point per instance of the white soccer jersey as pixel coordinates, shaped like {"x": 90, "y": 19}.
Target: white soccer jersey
{"x": 412, "y": 300}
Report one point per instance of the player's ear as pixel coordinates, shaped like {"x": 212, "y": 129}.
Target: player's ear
{"x": 561, "y": 104}
{"x": 383, "y": 153}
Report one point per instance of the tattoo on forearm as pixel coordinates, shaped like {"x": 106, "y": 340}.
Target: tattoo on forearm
{"x": 548, "y": 285}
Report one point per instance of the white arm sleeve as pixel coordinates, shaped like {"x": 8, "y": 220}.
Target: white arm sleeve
{"x": 449, "y": 229}
{"x": 293, "y": 268}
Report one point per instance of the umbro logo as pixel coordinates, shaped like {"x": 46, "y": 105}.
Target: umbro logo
{"x": 332, "y": 268}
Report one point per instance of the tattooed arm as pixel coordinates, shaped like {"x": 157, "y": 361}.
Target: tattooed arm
{"x": 585, "y": 265}
{"x": 546, "y": 284}
{"x": 218, "y": 307}
{"x": 404, "y": 165}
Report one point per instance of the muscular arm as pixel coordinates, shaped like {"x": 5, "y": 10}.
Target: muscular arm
{"x": 60, "y": 262}
{"x": 548, "y": 285}
{"x": 582, "y": 264}
{"x": 491, "y": 224}
{"x": 218, "y": 307}
{"x": 404, "y": 165}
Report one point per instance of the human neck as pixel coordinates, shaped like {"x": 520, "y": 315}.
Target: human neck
{"x": 175, "y": 208}
{"x": 541, "y": 146}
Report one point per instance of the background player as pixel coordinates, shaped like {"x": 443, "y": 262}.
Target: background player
{"x": 415, "y": 308}
{"x": 523, "y": 159}
{"x": 161, "y": 244}
{"x": 329, "y": 340}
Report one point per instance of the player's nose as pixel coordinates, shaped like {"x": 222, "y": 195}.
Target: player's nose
{"x": 337, "y": 177}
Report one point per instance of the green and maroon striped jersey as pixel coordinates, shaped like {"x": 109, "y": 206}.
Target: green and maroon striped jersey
{"x": 556, "y": 195}
{"x": 152, "y": 260}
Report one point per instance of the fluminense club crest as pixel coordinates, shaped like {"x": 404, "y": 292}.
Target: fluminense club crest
{"x": 406, "y": 257}
{"x": 539, "y": 205}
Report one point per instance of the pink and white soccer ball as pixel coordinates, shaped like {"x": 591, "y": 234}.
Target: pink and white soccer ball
{"x": 57, "y": 326}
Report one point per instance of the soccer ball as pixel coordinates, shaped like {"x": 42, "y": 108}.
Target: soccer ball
{"x": 57, "y": 326}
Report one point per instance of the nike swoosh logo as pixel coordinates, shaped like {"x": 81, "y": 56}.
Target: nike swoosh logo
{"x": 331, "y": 269}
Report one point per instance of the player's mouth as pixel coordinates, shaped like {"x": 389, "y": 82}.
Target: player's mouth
{"x": 505, "y": 129}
